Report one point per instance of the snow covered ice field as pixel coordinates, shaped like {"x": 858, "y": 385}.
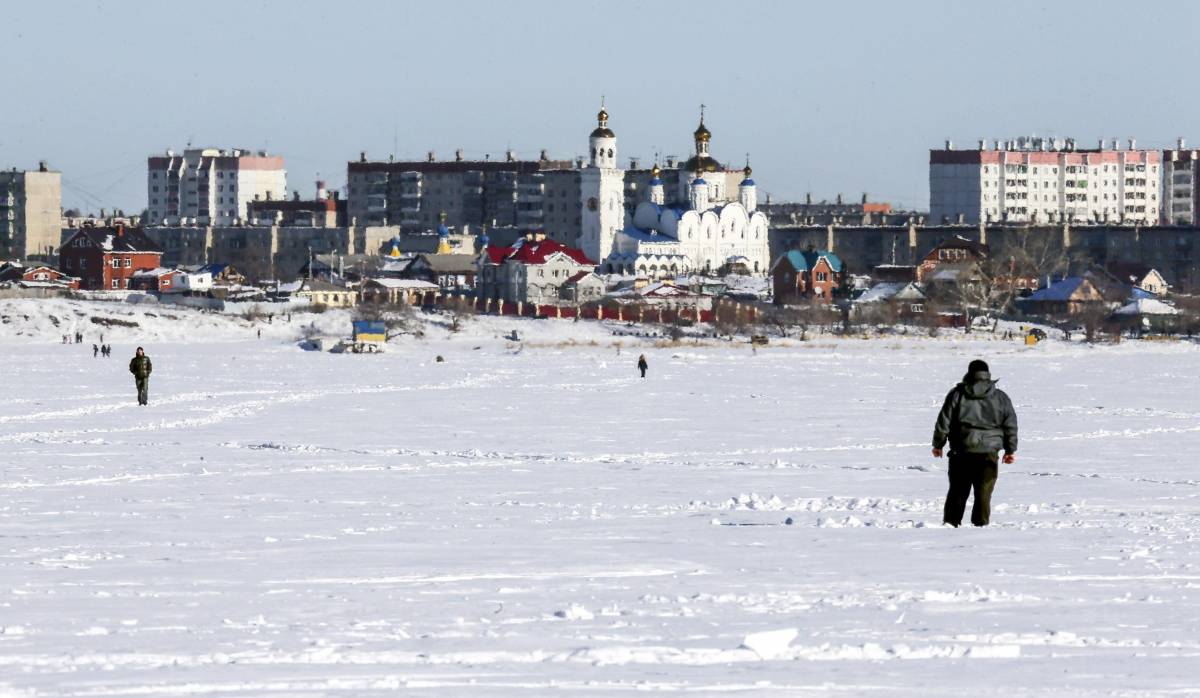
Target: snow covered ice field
{"x": 542, "y": 521}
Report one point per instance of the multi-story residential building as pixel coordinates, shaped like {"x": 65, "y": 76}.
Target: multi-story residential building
{"x": 1041, "y": 180}
{"x": 30, "y": 213}
{"x": 414, "y": 193}
{"x": 105, "y": 259}
{"x": 1181, "y": 186}
{"x": 210, "y": 185}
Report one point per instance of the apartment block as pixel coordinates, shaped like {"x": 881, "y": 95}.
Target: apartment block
{"x": 210, "y": 185}
{"x": 30, "y": 213}
{"x": 1181, "y": 185}
{"x": 414, "y": 193}
{"x": 1041, "y": 180}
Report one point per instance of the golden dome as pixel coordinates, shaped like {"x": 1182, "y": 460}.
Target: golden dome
{"x": 702, "y": 133}
{"x": 702, "y": 163}
{"x": 747, "y": 171}
{"x": 602, "y": 130}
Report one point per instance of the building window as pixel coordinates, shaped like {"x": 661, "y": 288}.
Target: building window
{"x": 114, "y": 283}
{"x": 116, "y": 264}
{"x": 128, "y": 262}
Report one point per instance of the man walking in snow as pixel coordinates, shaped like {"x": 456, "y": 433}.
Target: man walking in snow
{"x": 978, "y": 419}
{"x": 140, "y": 367}
{"x": 642, "y": 365}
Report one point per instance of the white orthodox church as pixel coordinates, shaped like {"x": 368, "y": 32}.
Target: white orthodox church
{"x": 713, "y": 231}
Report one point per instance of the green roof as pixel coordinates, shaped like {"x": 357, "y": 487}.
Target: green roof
{"x": 806, "y": 260}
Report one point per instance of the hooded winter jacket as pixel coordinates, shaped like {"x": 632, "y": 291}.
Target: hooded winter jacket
{"x": 977, "y": 417}
{"x": 140, "y": 366}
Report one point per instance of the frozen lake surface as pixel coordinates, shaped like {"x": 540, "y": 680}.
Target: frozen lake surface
{"x": 542, "y": 521}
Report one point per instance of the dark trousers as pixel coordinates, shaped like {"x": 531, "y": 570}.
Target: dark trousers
{"x": 143, "y": 388}
{"x": 643, "y": 370}
{"x": 969, "y": 471}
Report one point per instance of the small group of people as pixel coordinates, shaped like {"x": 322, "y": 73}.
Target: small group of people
{"x": 76, "y": 338}
{"x": 104, "y": 350}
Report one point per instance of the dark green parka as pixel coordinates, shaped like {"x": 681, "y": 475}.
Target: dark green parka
{"x": 140, "y": 366}
{"x": 977, "y": 417}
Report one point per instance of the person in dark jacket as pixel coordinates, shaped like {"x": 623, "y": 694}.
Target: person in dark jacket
{"x": 642, "y": 365}
{"x": 140, "y": 367}
{"x": 978, "y": 420}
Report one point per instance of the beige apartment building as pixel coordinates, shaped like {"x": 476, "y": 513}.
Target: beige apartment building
{"x": 30, "y": 213}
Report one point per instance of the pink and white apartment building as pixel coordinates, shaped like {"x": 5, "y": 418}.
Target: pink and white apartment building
{"x": 210, "y": 186}
{"x": 1042, "y": 180}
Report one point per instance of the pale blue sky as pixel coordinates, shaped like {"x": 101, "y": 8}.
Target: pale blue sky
{"x": 826, "y": 97}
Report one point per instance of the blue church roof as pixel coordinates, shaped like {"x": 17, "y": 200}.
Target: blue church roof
{"x": 655, "y": 182}
{"x": 443, "y": 231}
{"x": 648, "y": 235}
{"x": 747, "y": 182}
{"x": 698, "y": 180}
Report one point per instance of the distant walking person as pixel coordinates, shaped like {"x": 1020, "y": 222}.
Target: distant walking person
{"x": 140, "y": 367}
{"x": 978, "y": 419}
{"x": 95, "y": 351}
{"x": 642, "y": 365}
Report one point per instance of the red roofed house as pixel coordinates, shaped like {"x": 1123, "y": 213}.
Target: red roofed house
{"x": 534, "y": 270}
{"x": 107, "y": 258}
{"x": 161, "y": 280}
{"x": 36, "y": 276}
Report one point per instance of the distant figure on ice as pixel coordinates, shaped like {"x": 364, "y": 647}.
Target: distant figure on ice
{"x": 95, "y": 351}
{"x": 642, "y": 365}
{"x": 979, "y": 420}
{"x": 140, "y": 367}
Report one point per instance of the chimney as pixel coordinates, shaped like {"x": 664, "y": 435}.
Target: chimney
{"x": 295, "y": 195}
{"x": 1181, "y": 143}
{"x": 362, "y": 156}
{"x": 102, "y": 213}
{"x": 949, "y": 144}
{"x": 1133, "y": 144}
{"x": 1116, "y": 144}
{"x": 983, "y": 144}
{"x": 633, "y": 163}
{"x": 430, "y": 157}
{"x": 321, "y": 193}
{"x": 458, "y": 155}
{"x": 839, "y": 196}
{"x": 1101, "y": 144}
{"x": 41, "y": 165}
{"x": 808, "y": 198}
{"x": 864, "y": 198}
{"x": 510, "y": 155}
{"x": 543, "y": 156}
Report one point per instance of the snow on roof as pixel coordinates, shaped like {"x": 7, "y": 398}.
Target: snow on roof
{"x": 156, "y": 272}
{"x": 1057, "y": 291}
{"x": 1146, "y": 306}
{"x": 403, "y": 283}
{"x": 892, "y": 290}
{"x": 535, "y": 252}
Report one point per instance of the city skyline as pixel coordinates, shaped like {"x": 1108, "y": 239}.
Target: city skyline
{"x": 822, "y": 101}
